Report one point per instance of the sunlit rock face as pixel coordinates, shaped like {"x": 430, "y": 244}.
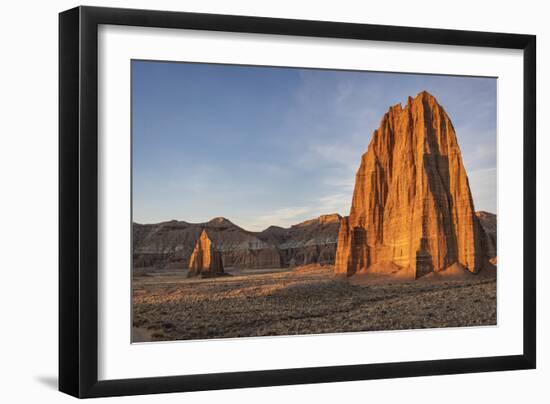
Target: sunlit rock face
{"x": 205, "y": 259}
{"x": 412, "y": 210}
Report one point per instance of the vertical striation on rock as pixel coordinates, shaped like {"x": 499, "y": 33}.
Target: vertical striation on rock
{"x": 412, "y": 207}
{"x": 205, "y": 259}
{"x": 308, "y": 242}
{"x": 488, "y": 222}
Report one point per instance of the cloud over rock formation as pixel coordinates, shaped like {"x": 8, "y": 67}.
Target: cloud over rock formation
{"x": 412, "y": 210}
{"x": 205, "y": 259}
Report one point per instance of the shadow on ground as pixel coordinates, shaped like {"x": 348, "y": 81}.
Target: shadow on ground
{"x": 48, "y": 381}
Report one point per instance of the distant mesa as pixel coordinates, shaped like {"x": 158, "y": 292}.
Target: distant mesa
{"x": 323, "y": 219}
{"x": 220, "y": 221}
{"x": 309, "y": 242}
{"x": 489, "y": 223}
{"x": 412, "y": 210}
{"x": 205, "y": 260}
{"x": 166, "y": 245}
{"x": 332, "y": 218}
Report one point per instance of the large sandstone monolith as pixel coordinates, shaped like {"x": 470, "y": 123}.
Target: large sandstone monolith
{"x": 412, "y": 210}
{"x": 205, "y": 259}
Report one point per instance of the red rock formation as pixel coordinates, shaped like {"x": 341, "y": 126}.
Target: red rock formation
{"x": 164, "y": 246}
{"x": 169, "y": 244}
{"x": 205, "y": 259}
{"x": 352, "y": 254}
{"x": 489, "y": 223}
{"x": 412, "y": 207}
{"x": 312, "y": 241}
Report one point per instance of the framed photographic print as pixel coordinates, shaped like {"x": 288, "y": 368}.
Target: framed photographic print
{"x": 251, "y": 201}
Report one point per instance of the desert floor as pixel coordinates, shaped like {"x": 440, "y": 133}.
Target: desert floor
{"x": 306, "y": 300}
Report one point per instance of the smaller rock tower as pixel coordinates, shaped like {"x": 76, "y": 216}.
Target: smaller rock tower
{"x": 205, "y": 260}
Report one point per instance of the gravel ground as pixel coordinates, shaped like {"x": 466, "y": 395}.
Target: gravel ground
{"x": 309, "y": 300}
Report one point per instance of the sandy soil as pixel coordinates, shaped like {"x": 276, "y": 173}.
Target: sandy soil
{"x": 308, "y": 300}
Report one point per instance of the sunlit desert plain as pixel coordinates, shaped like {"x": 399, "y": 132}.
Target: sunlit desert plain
{"x": 303, "y": 300}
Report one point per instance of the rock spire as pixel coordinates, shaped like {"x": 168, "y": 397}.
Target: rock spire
{"x": 205, "y": 259}
{"x": 412, "y": 210}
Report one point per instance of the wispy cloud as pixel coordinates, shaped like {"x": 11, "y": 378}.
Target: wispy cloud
{"x": 343, "y": 183}
{"x": 283, "y": 217}
{"x": 335, "y": 154}
{"x": 288, "y": 216}
{"x": 482, "y": 153}
{"x": 483, "y": 185}
{"x": 289, "y": 149}
{"x": 335, "y": 203}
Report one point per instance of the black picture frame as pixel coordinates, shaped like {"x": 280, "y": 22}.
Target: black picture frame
{"x": 78, "y": 201}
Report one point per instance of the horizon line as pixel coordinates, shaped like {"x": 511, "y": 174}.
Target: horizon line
{"x": 257, "y": 231}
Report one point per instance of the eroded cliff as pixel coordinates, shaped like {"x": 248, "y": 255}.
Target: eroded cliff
{"x": 412, "y": 210}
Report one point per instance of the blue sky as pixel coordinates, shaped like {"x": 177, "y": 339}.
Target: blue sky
{"x": 268, "y": 146}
